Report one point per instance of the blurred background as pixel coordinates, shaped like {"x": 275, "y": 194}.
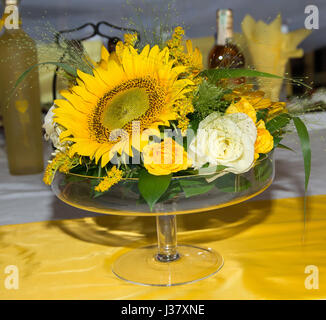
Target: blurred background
{"x": 197, "y": 16}
{"x": 41, "y": 18}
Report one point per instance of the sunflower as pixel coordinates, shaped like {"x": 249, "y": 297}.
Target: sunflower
{"x": 100, "y": 112}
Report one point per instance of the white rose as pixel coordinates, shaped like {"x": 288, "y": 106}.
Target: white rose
{"x": 52, "y": 130}
{"x": 227, "y": 140}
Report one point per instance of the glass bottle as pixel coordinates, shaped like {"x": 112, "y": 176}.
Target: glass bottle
{"x": 21, "y": 110}
{"x": 225, "y": 54}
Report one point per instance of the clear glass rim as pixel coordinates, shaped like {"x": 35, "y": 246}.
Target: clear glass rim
{"x": 173, "y": 178}
{"x": 179, "y": 212}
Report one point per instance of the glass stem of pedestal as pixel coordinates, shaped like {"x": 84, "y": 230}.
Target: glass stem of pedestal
{"x": 167, "y": 238}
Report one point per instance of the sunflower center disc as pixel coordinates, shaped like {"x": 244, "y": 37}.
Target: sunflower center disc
{"x": 125, "y": 107}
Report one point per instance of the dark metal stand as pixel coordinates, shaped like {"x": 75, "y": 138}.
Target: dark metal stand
{"x": 76, "y": 42}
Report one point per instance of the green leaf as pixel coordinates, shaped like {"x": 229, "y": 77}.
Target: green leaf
{"x": 262, "y": 114}
{"x": 173, "y": 190}
{"x": 278, "y": 123}
{"x": 195, "y": 186}
{"x": 212, "y": 170}
{"x": 305, "y": 147}
{"x": 232, "y": 183}
{"x": 277, "y": 140}
{"x": 152, "y": 187}
{"x": 282, "y": 146}
{"x": 215, "y": 75}
{"x": 263, "y": 170}
{"x": 306, "y": 153}
{"x": 64, "y": 66}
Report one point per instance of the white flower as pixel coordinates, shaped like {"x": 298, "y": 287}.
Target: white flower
{"x": 227, "y": 140}
{"x": 52, "y": 130}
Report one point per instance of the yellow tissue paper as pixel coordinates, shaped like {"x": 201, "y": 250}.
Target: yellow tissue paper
{"x": 270, "y": 50}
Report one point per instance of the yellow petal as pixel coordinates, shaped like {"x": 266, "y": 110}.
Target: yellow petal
{"x": 104, "y": 54}
{"x": 92, "y": 84}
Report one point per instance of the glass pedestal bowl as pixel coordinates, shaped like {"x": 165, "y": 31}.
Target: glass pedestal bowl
{"x": 166, "y": 264}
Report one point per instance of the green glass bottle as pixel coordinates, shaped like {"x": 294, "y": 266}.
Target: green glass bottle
{"x": 22, "y": 110}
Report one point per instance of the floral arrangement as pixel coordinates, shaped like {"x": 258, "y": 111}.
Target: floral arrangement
{"x": 153, "y": 113}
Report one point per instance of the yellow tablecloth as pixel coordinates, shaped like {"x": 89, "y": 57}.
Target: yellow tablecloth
{"x": 260, "y": 241}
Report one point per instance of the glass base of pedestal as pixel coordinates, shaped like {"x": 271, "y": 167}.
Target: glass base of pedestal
{"x": 140, "y": 266}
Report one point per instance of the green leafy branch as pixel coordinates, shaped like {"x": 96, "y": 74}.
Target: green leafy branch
{"x": 67, "y": 68}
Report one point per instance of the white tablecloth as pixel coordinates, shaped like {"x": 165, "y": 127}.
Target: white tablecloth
{"x": 26, "y": 199}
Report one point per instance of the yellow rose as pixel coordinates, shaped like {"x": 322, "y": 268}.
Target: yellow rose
{"x": 243, "y": 106}
{"x": 165, "y": 157}
{"x": 265, "y": 141}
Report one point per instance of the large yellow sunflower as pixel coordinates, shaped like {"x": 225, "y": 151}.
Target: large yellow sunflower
{"x": 134, "y": 86}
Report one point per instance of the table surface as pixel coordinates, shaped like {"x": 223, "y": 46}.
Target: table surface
{"x": 63, "y": 252}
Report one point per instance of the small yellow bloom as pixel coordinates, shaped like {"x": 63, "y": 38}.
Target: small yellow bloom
{"x": 195, "y": 57}
{"x": 130, "y": 39}
{"x": 177, "y": 37}
{"x": 113, "y": 177}
{"x": 192, "y": 59}
{"x": 264, "y": 142}
{"x": 243, "y": 106}
{"x": 61, "y": 162}
{"x": 182, "y": 109}
{"x": 48, "y": 175}
{"x": 165, "y": 157}
{"x": 179, "y": 32}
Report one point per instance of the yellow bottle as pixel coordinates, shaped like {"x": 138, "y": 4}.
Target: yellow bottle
{"x": 22, "y": 111}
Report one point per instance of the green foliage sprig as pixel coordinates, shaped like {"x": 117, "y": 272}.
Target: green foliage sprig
{"x": 208, "y": 98}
